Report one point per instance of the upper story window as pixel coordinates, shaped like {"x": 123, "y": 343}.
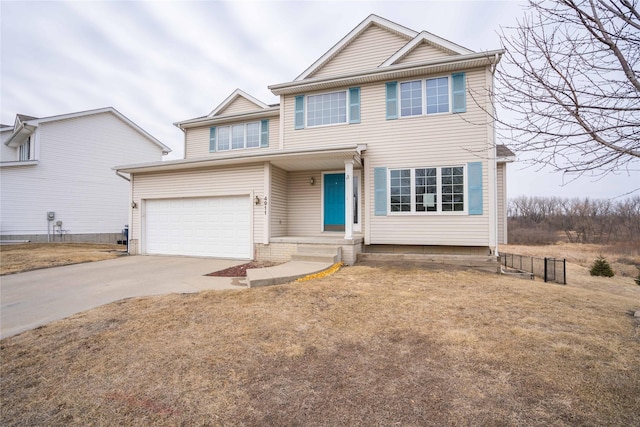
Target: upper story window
{"x": 239, "y": 136}
{"x": 429, "y": 96}
{"x": 24, "y": 151}
{"x": 411, "y": 98}
{"x": 327, "y": 108}
{"x": 437, "y": 95}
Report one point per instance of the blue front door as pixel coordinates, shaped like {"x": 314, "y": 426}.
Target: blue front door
{"x": 334, "y": 202}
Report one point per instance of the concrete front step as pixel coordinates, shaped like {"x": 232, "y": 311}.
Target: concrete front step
{"x": 283, "y": 273}
{"x": 315, "y": 258}
{"x": 489, "y": 263}
{"x": 318, "y": 253}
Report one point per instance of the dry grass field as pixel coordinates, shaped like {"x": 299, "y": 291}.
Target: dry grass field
{"x": 368, "y": 345}
{"x": 32, "y": 256}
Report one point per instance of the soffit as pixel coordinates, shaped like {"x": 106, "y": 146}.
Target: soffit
{"x": 327, "y": 159}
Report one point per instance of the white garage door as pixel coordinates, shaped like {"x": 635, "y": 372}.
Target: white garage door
{"x": 212, "y": 227}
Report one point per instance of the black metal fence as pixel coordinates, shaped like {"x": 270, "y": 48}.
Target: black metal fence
{"x": 548, "y": 269}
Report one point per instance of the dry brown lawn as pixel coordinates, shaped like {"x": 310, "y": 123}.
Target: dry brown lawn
{"x": 32, "y": 256}
{"x": 369, "y": 345}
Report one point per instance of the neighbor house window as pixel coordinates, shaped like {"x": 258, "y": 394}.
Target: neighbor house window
{"x": 239, "y": 136}
{"x": 419, "y": 190}
{"x": 327, "y": 109}
{"x": 24, "y": 151}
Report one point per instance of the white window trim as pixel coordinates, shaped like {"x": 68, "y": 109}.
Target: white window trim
{"x": 29, "y": 150}
{"x": 439, "y": 210}
{"x": 424, "y": 97}
{"x": 244, "y": 147}
{"x": 306, "y": 109}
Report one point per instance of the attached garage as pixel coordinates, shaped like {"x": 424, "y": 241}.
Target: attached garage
{"x": 209, "y": 226}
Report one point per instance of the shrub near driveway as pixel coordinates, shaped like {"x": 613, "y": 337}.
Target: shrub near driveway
{"x": 366, "y": 346}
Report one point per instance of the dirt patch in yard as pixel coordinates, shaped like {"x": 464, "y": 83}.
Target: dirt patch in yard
{"x": 32, "y": 256}
{"x": 368, "y": 345}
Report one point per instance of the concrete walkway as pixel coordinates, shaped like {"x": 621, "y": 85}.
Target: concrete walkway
{"x": 35, "y": 298}
{"x": 283, "y": 273}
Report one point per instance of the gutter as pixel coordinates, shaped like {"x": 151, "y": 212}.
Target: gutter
{"x": 386, "y": 72}
{"x": 122, "y": 176}
{"x": 200, "y": 121}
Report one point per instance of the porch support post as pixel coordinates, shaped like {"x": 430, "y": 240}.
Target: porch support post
{"x": 348, "y": 193}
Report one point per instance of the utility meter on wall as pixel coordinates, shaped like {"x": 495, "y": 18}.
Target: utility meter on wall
{"x": 51, "y": 216}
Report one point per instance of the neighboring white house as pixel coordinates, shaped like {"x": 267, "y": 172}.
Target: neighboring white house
{"x": 56, "y": 176}
{"x": 385, "y": 143}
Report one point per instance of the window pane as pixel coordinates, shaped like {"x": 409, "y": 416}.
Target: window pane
{"x": 426, "y": 189}
{"x": 253, "y": 135}
{"x": 411, "y": 98}
{"x": 400, "y": 190}
{"x": 438, "y": 95}
{"x": 328, "y": 108}
{"x": 224, "y": 136}
{"x": 452, "y": 189}
{"x": 237, "y": 136}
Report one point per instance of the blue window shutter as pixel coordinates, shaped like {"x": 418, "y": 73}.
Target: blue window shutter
{"x": 212, "y": 139}
{"x": 264, "y": 133}
{"x": 299, "y": 118}
{"x": 459, "y": 93}
{"x": 474, "y": 181}
{"x": 392, "y": 100}
{"x": 380, "y": 185}
{"x": 354, "y": 105}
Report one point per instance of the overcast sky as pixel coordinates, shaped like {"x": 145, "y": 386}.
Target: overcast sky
{"x": 161, "y": 62}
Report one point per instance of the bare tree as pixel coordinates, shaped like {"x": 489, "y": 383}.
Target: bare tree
{"x": 570, "y": 84}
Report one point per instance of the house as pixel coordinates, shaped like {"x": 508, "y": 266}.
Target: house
{"x": 385, "y": 143}
{"x": 57, "y": 181}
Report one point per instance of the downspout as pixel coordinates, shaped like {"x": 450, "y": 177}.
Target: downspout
{"x": 495, "y": 156}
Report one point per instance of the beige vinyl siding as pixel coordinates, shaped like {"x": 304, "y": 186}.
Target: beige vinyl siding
{"x": 238, "y": 106}
{"x": 367, "y": 51}
{"x": 197, "y": 140}
{"x": 422, "y": 53}
{"x": 423, "y": 141}
{"x": 227, "y": 181}
{"x": 278, "y": 202}
{"x": 502, "y": 203}
{"x": 304, "y": 204}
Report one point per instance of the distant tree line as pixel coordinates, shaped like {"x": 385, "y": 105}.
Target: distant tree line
{"x": 545, "y": 220}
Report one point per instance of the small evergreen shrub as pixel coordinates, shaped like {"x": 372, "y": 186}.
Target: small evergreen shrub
{"x": 601, "y": 268}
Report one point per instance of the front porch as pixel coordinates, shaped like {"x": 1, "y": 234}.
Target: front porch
{"x": 283, "y": 249}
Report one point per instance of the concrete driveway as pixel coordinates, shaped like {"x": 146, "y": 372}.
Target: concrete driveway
{"x": 35, "y": 298}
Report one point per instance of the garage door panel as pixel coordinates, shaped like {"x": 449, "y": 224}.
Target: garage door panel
{"x": 216, "y": 227}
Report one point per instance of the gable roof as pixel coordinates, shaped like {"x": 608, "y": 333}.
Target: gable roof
{"x": 231, "y": 98}
{"x": 215, "y": 116}
{"x": 454, "y": 58}
{"x": 27, "y": 127}
{"x": 430, "y": 39}
{"x": 351, "y": 36}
